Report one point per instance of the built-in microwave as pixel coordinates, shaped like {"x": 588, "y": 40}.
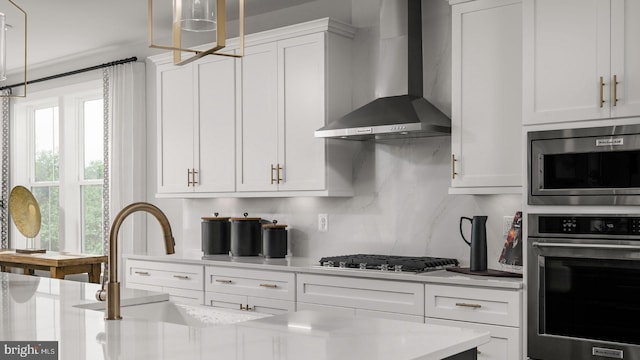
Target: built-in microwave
{"x": 588, "y": 166}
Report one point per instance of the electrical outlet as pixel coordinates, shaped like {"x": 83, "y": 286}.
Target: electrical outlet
{"x": 323, "y": 222}
{"x": 506, "y": 225}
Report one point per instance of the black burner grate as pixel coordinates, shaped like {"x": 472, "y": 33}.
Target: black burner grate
{"x": 388, "y": 262}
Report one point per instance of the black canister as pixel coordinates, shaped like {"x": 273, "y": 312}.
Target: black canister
{"x": 246, "y": 236}
{"x": 216, "y": 235}
{"x": 274, "y": 240}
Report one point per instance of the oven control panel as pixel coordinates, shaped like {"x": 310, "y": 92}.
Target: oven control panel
{"x": 589, "y": 224}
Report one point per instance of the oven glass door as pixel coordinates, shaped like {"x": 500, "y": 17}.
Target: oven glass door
{"x": 590, "y": 298}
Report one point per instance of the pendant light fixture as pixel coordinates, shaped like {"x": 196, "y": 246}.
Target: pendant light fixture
{"x": 11, "y": 15}
{"x": 199, "y": 16}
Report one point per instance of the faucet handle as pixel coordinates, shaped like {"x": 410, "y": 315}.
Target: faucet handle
{"x": 101, "y": 295}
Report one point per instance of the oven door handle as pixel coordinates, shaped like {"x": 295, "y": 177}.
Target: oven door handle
{"x": 585, "y": 246}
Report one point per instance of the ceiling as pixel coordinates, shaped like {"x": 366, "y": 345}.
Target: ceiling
{"x": 63, "y": 29}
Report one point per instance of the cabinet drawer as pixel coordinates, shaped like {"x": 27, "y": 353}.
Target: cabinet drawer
{"x": 261, "y": 305}
{"x": 482, "y": 305}
{"x": 263, "y": 284}
{"x": 180, "y": 276}
{"x": 185, "y": 296}
{"x": 505, "y": 341}
{"x": 368, "y": 294}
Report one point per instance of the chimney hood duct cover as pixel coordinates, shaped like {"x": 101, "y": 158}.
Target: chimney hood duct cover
{"x": 401, "y": 116}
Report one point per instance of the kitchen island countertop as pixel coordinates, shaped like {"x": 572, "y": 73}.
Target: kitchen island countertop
{"x": 41, "y": 309}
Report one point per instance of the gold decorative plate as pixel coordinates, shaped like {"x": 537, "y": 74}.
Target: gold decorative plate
{"x": 25, "y": 211}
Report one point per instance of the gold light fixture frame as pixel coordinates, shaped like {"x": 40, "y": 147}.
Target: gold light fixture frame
{"x": 24, "y": 78}
{"x": 221, "y": 34}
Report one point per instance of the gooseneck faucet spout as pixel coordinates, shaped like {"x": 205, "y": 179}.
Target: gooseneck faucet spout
{"x": 112, "y": 293}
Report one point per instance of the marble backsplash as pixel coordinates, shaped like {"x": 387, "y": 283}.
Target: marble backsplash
{"x": 400, "y": 207}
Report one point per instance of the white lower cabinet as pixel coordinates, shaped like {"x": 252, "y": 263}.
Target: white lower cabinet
{"x": 183, "y": 282}
{"x": 362, "y": 297}
{"x": 498, "y": 311}
{"x": 270, "y": 292}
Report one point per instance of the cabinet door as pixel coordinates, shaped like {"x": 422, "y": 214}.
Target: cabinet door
{"x": 625, "y": 57}
{"x": 566, "y": 52}
{"x": 215, "y": 155}
{"x": 486, "y": 136}
{"x": 257, "y": 123}
{"x": 175, "y": 128}
{"x": 301, "y": 99}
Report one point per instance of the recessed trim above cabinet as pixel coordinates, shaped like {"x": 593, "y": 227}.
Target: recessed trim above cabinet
{"x": 253, "y": 133}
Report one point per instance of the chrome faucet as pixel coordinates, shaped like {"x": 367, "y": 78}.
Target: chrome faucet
{"x": 112, "y": 293}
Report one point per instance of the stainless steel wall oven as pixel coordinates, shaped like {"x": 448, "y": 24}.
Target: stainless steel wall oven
{"x": 590, "y": 166}
{"x": 583, "y": 276}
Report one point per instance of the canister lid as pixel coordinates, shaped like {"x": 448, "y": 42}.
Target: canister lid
{"x": 215, "y": 217}
{"x": 244, "y": 218}
{"x": 274, "y": 225}
{"x": 212, "y": 218}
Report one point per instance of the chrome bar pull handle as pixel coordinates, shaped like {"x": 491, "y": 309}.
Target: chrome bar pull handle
{"x": 183, "y": 277}
{"x": 474, "y": 306}
{"x": 586, "y": 246}
{"x": 453, "y": 166}
{"x": 601, "y": 92}
{"x": 145, "y": 273}
{"x": 193, "y": 177}
{"x": 272, "y": 286}
{"x": 615, "y": 90}
{"x": 224, "y": 281}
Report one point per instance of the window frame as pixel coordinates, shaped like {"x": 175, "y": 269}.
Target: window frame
{"x": 70, "y": 101}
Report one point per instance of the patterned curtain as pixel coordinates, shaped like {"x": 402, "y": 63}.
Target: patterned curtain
{"x": 125, "y": 152}
{"x": 4, "y": 188}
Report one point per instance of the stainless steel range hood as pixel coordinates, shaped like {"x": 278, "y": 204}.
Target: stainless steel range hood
{"x": 395, "y": 116}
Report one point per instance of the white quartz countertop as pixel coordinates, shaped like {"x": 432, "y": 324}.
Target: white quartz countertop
{"x": 307, "y": 265}
{"x": 41, "y": 309}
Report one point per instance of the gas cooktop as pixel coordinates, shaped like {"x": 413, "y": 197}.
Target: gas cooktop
{"x": 388, "y": 262}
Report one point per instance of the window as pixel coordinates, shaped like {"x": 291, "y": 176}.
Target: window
{"x": 63, "y": 145}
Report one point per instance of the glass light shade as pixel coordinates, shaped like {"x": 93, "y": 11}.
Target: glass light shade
{"x": 3, "y": 48}
{"x": 198, "y": 15}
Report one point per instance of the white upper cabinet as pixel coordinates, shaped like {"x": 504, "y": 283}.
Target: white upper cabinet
{"x": 286, "y": 90}
{"x": 283, "y": 97}
{"x": 251, "y": 120}
{"x": 196, "y": 126}
{"x": 581, "y": 60}
{"x": 257, "y": 123}
{"x": 175, "y": 112}
{"x": 214, "y": 156}
{"x": 625, "y": 57}
{"x": 486, "y": 140}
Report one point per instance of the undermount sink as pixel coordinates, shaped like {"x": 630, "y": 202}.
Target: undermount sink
{"x": 185, "y": 314}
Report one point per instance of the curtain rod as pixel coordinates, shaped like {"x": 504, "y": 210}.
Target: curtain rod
{"x": 74, "y": 72}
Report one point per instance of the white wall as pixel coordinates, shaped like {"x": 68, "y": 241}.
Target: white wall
{"x": 401, "y": 205}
